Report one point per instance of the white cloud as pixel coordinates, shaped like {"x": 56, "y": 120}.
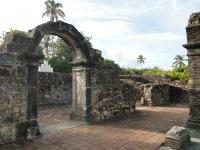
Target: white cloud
{"x": 121, "y": 29}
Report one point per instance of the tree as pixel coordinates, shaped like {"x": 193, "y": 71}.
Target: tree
{"x": 178, "y": 63}
{"x": 39, "y": 51}
{"x": 61, "y": 57}
{"x": 112, "y": 65}
{"x": 141, "y": 60}
{"x": 53, "y": 10}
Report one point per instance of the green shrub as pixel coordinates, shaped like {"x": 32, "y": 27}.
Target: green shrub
{"x": 170, "y": 74}
{"x": 113, "y": 65}
{"x": 174, "y": 75}
{"x": 155, "y": 71}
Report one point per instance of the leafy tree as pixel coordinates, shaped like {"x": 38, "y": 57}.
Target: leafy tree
{"x": 141, "y": 60}
{"x": 39, "y": 51}
{"x": 178, "y": 63}
{"x": 112, "y": 64}
{"x": 155, "y": 71}
{"x": 61, "y": 57}
{"x": 53, "y": 11}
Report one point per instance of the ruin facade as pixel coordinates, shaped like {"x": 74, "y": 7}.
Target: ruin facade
{"x": 97, "y": 92}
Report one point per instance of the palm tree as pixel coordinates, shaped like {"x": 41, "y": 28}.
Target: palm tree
{"x": 53, "y": 10}
{"x": 141, "y": 60}
{"x": 178, "y": 63}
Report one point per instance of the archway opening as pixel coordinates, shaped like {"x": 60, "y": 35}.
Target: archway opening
{"x": 82, "y": 64}
{"x": 54, "y": 103}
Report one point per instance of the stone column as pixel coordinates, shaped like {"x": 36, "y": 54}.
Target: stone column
{"x": 32, "y": 73}
{"x": 193, "y": 52}
{"x": 81, "y": 89}
{"x": 29, "y": 127}
{"x": 18, "y": 89}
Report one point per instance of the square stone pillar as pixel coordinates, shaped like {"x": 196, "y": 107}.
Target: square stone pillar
{"x": 81, "y": 93}
{"x": 193, "y": 52}
{"x": 29, "y": 61}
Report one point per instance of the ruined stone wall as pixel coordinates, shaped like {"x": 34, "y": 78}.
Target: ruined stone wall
{"x": 158, "y": 79}
{"x": 156, "y": 94}
{"x": 54, "y": 88}
{"x": 179, "y": 95}
{"x": 111, "y": 96}
{"x": 13, "y": 92}
{"x": 157, "y": 90}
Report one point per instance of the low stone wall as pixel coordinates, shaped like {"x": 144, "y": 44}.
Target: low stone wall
{"x": 114, "y": 101}
{"x": 156, "y": 94}
{"x": 54, "y": 88}
{"x": 157, "y": 90}
{"x": 158, "y": 79}
{"x": 179, "y": 95}
{"x": 112, "y": 97}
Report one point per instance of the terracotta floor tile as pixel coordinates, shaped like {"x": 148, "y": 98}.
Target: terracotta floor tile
{"x": 143, "y": 130}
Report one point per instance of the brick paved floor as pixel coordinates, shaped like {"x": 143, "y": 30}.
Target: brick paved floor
{"x": 142, "y": 130}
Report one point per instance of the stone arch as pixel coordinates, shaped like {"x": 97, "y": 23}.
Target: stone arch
{"x": 75, "y": 40}
{"x": 18, "y": 78}
{"x": 81, "y": 66}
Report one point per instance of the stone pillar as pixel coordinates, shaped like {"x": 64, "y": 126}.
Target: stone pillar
{"x": 31, "y": 61}
{"x": 81, "y": 97}
{"x": 18, "y": 90}
{"x": 29, "y": 127}
{"x": 193, "y": 52}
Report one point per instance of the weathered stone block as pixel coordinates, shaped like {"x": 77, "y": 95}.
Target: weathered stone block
{"x": 156, "y": 94}
{"x": 54, "y": 88}
{"x": 177, "y": 138}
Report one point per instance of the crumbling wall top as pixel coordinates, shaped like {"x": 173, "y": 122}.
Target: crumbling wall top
{"x": 15, "y": 43}
{"x": 194, "y": 19}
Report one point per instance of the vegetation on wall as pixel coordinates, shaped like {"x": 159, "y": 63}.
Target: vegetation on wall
{"x": 11, "y": 32}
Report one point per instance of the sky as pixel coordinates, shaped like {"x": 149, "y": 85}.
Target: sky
{"x": 121, "y": 29}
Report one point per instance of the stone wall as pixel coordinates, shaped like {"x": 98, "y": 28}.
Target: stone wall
{"x": 13, "y": 88}
{"x": 96, "y": 88}
{"x": 54, "y": 88}
{"x": 156, "y": 94}
{"x": 178, "y": 95}
{"x": 157, "y": 90}
{"x": 112, "y": 97}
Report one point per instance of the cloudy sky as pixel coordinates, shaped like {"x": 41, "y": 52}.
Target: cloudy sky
{"x": 122, "y": 29}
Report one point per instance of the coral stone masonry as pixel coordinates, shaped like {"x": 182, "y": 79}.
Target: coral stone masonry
{"x": 94, "y": 90}
{"x": 193, "y": 52}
